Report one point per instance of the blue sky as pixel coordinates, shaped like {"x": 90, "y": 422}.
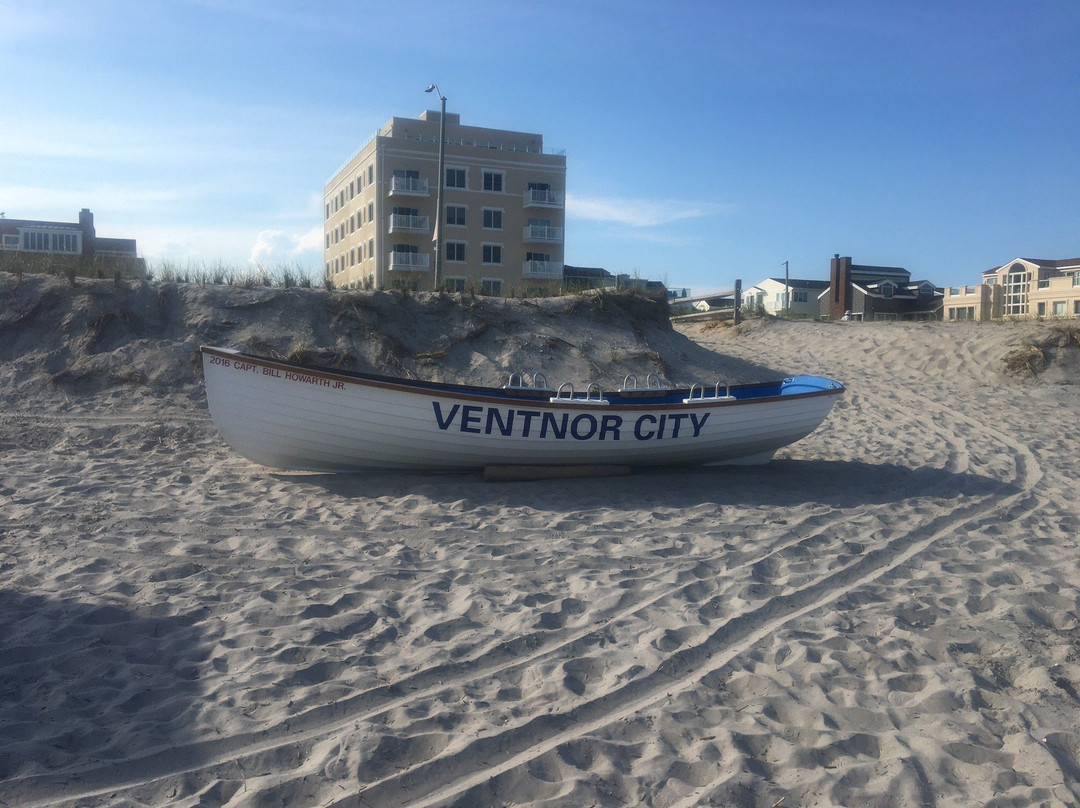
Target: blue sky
{"x": 705, "y": 141}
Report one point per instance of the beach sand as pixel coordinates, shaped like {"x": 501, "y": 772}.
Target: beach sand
{"x": 886, "y": 615}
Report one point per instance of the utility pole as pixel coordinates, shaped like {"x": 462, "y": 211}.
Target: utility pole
{"x": 787, "y": 292}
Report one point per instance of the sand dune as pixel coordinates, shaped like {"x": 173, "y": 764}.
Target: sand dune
{"x": 886, "y": 615}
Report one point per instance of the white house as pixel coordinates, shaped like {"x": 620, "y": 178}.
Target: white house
{"x": 802, "y": 296}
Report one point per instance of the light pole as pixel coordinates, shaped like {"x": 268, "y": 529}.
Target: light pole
{"x": 438, "y": 194}
{"x": 787, "y": 292}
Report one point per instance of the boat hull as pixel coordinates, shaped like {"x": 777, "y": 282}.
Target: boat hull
{"x": 295, "y": 417}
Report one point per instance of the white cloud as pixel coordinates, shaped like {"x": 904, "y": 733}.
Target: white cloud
{"x": 276, "y": 247}
{"x": 140, "y": 142}
{"x": 641, "y": 212}
{"x": 35, "y": 202}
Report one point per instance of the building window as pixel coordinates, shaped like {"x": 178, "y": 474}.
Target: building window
{"x": 352, "y": 224}
{"x": 370, "y": 248}
{"x": 491, "y": 286}
{"x": 455, "y": 251}
{"x": 493, "y": 181}
{"x": 371, "y": 173}
{"x": 371, "y": 211}
{"x": 492, "y": 254}
{"x": 455, "y": 215}
{"x": 1041, "y": 309}
{"x": 1076, "y": 307}
{"x": 1059, "y": 308}
{"x": 1076, "y": 279}
{"x": 1016, "y": 290}
{"x": 455, "y": 178}
{"x": 454, "y": 284}
{"x": 493, "y": 219}
{"x": 800, "y": 296}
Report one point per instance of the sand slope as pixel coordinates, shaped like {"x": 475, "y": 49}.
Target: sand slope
{"x": 886, "y": 615}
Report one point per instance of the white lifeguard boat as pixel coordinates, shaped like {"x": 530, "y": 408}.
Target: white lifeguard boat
{"x": 302, "y": 417}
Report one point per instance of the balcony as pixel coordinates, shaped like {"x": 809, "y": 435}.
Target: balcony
{"x": 409, "y": 262}
{"x": 404, "y": 223}
{"x": 408, "y": 186}
{"x": 541, "y": 233}
{"x": 543, "y": 198}
{"x": 544, "y": 270}
{"x": 957, "y": 291}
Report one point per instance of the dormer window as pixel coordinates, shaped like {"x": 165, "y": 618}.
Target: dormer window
{"x": 887, "y": 289}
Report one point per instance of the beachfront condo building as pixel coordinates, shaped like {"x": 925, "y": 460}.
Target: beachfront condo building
{"x": 1023, "y": 287}
{"x": 501, "y": 225}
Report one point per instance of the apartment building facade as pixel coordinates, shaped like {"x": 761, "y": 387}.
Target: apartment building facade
{"x": 501, "y": 227}
{"x": 1023, "y": 287}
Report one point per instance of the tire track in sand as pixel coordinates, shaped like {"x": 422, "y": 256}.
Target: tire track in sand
{"x": 442, "y": 778}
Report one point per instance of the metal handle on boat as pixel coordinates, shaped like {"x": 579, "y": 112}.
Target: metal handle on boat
{"x": 701, "y": 394}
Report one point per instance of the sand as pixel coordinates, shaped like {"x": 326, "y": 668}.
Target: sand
{"x": 886, "y": 615}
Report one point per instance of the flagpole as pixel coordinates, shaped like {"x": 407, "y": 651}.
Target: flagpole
{"x": 438, "y": 194}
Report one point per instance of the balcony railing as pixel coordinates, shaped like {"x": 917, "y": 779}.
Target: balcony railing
{"x": 549, "y": 270}
{"x": 408, "y": 186}
{"x": 409, "y": 262}
{"x": 537, "y": 232}
{"x": 543, "y": 198}
{"x": 402, "y": 222}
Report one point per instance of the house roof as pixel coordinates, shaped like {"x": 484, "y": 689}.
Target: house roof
{"x": 586, "y": 272}
{"x": 874, "y": 290}
{"x": 12, "y": 225}
{"x": 798, "y": 283}
{"x": 862, "y": 272}
{"x": 1042, "y": 263}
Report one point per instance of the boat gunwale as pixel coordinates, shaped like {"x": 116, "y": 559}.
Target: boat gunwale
{"x": 527, "y": 395}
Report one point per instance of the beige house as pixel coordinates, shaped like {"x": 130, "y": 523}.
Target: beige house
{"x": 1024, "y": 287}
{"x": 502, "y": 220}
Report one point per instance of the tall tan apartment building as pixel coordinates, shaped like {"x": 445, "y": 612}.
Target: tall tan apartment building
{"x": 1024, "y": 287}
{"x": 501, "y": 226}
